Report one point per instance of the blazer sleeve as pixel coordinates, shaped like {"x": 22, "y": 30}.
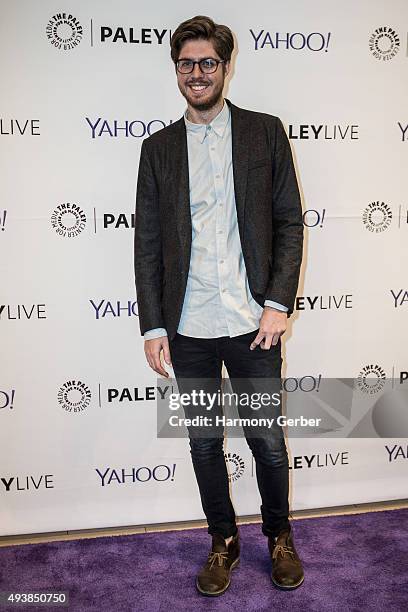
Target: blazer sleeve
{"x": 287, "y": 224}
{"x": 147, "y": 246}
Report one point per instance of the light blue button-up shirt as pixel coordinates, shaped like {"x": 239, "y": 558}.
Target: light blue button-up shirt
{"x": 218, "y": 301}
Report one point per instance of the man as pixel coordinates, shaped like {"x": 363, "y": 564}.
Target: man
{"x": 218, "y": 248}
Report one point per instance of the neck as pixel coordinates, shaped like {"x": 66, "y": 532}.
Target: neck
{"x": 204, "y": 116}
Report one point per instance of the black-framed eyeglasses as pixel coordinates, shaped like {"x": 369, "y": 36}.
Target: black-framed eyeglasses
{"x": 207, "y": 65}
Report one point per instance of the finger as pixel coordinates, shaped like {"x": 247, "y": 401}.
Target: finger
{"x": 166, "y": 353}
{"x": 275, "y": 339}
{"x": 158, "y": 366}
{"x": 266, "y": 345}
{"x": 257, "y": 340}
{"x": 149, "y": 358}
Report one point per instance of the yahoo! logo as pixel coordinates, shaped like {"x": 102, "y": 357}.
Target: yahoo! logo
{"x": 159, "y": 473}
{"x": 314, "y": 218}
{"x": 400, "y": 297}
{"x": 404, "y": 131}
{"x": 129, "y": 129}
{"x": 3, "y": 216}
{"x": 7, "y": 399}
{"x": 106, "y": 308}
{"x": 315, "y": 41}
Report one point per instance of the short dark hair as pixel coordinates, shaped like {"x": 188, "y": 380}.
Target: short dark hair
{"x": 203, "y": 27}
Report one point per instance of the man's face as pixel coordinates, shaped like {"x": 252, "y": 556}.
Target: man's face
{"x": 201, "y": 90}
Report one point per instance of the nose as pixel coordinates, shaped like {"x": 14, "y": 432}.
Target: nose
{"x": 197, "y": 72}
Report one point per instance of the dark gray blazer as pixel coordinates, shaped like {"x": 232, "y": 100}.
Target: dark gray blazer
{"x": 268, "y": 208}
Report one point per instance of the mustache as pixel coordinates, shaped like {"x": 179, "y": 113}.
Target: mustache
{"x": 198, "y": 82}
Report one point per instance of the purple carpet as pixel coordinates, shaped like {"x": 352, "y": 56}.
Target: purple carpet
{"x": 353, "y": 563}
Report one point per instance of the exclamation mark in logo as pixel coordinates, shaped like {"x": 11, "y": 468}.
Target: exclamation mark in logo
{"x": 3, "y": 220}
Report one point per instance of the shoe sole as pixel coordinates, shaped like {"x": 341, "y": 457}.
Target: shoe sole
{"x": 216, "y": 593}
{"x": 288, "y": 588}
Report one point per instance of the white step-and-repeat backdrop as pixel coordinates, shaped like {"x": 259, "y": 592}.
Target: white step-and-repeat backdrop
{"x": 82, "y": 85}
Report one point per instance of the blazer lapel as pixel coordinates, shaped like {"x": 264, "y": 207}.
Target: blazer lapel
{"x": 240, "y": 154}
{"x": 181, "y": 184}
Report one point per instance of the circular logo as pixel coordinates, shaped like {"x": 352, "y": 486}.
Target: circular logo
{"x": 74, "y": 396}
{"x": 68, "y": 220}
{"x": 371, "y": 379}
{"x": 64, "y": 31}
{"x": 377, "y": 217}
{"x": 384, "y": 43}
{"x": 235, "y": 466}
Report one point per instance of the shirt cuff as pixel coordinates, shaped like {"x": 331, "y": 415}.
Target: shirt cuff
{"x": 157, "y": 332}
{"x": 276, "y": 305}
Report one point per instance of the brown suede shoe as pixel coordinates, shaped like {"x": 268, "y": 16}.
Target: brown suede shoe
{"x": 287, "y": 570}
{"x": 215, "y": 577}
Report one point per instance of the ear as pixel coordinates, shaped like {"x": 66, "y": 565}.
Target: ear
{"x": 227, "y": 67}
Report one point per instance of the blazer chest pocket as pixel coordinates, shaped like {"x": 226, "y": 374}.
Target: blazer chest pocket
{"x": 259, "y": 163}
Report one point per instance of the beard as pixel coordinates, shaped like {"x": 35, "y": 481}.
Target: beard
{"x": 203, "y": 102}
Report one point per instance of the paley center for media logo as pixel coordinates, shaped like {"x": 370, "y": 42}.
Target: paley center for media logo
{"x": 342, "y": 301}
{"x": 378, "y": 216}
{"x": 22, "y": 312}
{"x": 371, "y": 379}
{"x": 235, "y": 466}
{"x": 75, "y": 396}
{"x": 19, "y": 127}
{"x": 384, "y": 43}
{"x": 69, "y": 220}
{"x": 323, "y": 131}
{"x": 27, "y": 483}
{"x": 64, "y": 31}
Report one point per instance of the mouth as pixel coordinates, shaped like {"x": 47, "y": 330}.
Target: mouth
{"x": 198, "y": 87}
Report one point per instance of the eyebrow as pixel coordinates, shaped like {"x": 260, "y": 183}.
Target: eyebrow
{"x": 191, "y": 59}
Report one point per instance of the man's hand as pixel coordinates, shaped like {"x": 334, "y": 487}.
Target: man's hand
{"x": 271, "y": 326}
{"x": 152, "y": 350}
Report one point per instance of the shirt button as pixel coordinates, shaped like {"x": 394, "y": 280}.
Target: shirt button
{"x": 221, "y": 261}
{"x": 220, "y": 231}
{"x": 223, "y": 290}
{"x": 212, "y": 148}
{"x": 220, "y": 203}
{"x": 217, "y": 176}
{"x": 208, "y": 127}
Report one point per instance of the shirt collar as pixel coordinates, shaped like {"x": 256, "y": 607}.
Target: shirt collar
{"x": 217, "y": 125}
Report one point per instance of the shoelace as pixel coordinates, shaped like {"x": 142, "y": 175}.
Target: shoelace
{"x": 220, "y": 556}
{"x": 282, "y": 550}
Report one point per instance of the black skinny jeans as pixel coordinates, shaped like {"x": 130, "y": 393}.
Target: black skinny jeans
{"x": 201, "y": 358}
